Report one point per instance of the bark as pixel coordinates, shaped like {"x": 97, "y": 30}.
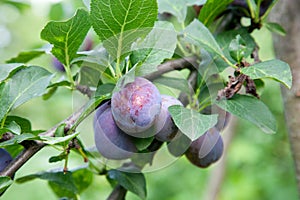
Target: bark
{"x": 287, "y": 49}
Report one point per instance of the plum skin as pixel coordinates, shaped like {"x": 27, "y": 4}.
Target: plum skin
{"x": 136, "y": 106}
{"x": 166, "y": 126}
{"x": 207, "y": 149}
{"x": 111, "y": 141}
{"x": 223, "y": 120}
{"x": 5, "y": 159}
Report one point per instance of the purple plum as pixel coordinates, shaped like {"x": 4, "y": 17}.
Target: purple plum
{"x": 207, "y": 149}
{"x": 5, "y": 159}
{"x": 136, "y": 106}
{"x": 111, "y": 141}
{"x": 165, "y": 125}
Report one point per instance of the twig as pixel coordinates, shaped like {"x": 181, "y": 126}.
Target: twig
{"x": 24, "y": 156}
{"x": 179, "y": 64}
{"x": 84, "y": 89}
{"x": 35, "y": 146}
{"x": 192, "y": 80}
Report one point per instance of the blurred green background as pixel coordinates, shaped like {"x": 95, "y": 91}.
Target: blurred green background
{"x": 259, "y": 166}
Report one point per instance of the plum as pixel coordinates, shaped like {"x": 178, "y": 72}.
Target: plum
{"x": 110, "y": 140}
{"x": 166, "y": 127}
{"x": 207, "y": 149}
{"x": 5, "y": 159}
{"x": 136, "y": 106}
{"x": 58, "y": 65}
{"x": 223, "y": 120}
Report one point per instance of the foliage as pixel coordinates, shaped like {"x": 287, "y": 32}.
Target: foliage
{"x": 132, "y": 41}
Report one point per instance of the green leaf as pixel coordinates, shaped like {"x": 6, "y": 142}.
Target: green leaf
{"x": 61, "y": 183}
{"x": 14, "y": 150}
{"x": 49, "y": 93}
{"x": 104, "y": 89}
{"x": 17, "y": 139}
{"x": 251, "y": 109}
{"x": 14, "y": 128}
{"x": 276, "y": 69}
{"x": 5, "y": 182}
{"x": 260, "y": 86}
{"x": 57, "y": 140}
{"x": 60, "y": 84}
{"x": 133, "y": 182}
{"x": 24, "y": 85}
{"x": 82, "y": 179}
{"x": 26, "y": 56}
{"x": 119, "y": 23}
{"x": 176, "y": 83}
{"x": 142, "y": 143}
{"x": 53, "y": 87}
{"x": 89, "y": 76}
{"x": 93, "y": 64}
{"x": 190, "y": 122}
{"x": 197, "y": 34}
{"x": 177, "y": 8}
{"x": 67, "y": 36}
{"x": 225, "y": 38}
{"x": 90, "y": 107}
{"x": 275, "y": 28}
{"x": 8, "y": 69}
{"x": 22, "y": 122}
{"x": 237, "y": 48}
{"x": 179, "y": 144}
{"x": 60, "y": 130}
{"x": 211, "y": 63}
{"x": 211, "y": 10}
{"x": 62, "y": 192}
{"x": 159, "y": 45}
{"x": 58, "y": 158}
{"x": 97, "y": 59}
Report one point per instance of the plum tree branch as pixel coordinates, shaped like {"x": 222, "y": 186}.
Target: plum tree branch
{"x": 178, "y": 64}
{"x": 35, "y": 146}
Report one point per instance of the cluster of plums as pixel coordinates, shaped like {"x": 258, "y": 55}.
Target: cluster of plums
{"x": 139, "y": 111}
